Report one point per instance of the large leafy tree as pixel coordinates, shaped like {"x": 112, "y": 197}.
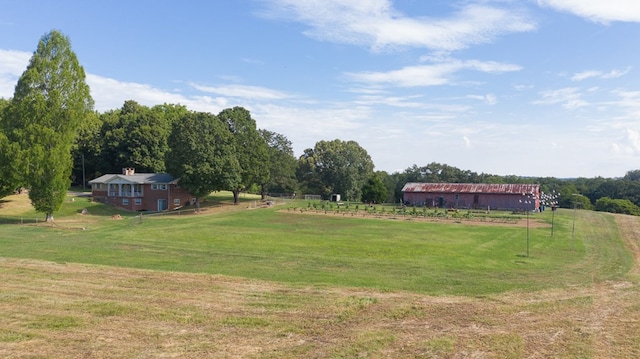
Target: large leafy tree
{"x": 8, "y": 150}
{"x": 282, "y": 164}
{"x": 201, "y": 154}
{"x": 335, "y": 166}
{"x": 633, "y": 175}
{"x": 309, "y": 176}
{"x": 249, "y": 147}
{"x": 50, "y": 102}
{"x": 136, "y": 136}
{"x": 87, "y": 150}
{"x": 374, "y": 190}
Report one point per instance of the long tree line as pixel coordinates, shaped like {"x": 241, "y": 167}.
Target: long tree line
{"x": 50, "y": 136}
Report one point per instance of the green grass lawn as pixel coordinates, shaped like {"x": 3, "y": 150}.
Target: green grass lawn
{"x": 314, "y": 249}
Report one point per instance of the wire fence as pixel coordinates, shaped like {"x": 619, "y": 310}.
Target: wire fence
{"x": 21, "y": 220}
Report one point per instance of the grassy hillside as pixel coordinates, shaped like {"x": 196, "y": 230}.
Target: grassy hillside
{"x": 337, "y": 286}
{"x": 451, "y": 257}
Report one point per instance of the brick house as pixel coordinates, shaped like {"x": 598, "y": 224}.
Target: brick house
{"x": 140, "y": 191}
{"x": 473, "y": 195}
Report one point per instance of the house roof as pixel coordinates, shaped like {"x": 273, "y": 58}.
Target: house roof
{"x": 138, "y": 178}
{"x": 497, "y": 188}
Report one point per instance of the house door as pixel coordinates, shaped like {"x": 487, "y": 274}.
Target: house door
{"x": 440, "y": 202}
{"x": 162, "y": 205}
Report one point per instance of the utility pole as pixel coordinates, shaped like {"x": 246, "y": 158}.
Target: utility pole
{"x": 84, "y": 179}
{"x": 573, "y": 228}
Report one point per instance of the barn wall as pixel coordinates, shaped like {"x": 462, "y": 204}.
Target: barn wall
{"x": 471, "y": 200}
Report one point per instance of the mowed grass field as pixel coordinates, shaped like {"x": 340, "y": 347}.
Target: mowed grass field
{"x": 271, "y": 282}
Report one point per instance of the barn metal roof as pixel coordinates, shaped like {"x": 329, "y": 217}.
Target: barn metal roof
{"x": 498, "y": 188}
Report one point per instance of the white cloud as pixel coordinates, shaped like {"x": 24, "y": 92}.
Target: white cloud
{"x": 467, "y": 141}
{"x": 12, "y": 65}
{"x": 599, "y": 74}
{"x": 489, "y": 99}
{"x": 376, "y": 24}
{"x": 14, "y": 62}
{"x": 429, "y": 75}
{"x": 598, "y": 10}
{"x": 394, "y": 101}
{"x": 628, "y": 103}
{"x": 248, "y": 92}
{"x": 304, "y": 126}
{"x": 629, "y": 144}
{"x": 110, "y": 94}
{"x": 569, "y": 97}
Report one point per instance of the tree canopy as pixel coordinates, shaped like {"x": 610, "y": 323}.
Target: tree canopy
{"x": 50, "y": 102}
{"x": 374, "y": 190}
{"x": 8, "y": 180}
{"x": 282, "y": 164}
{"x": 336, "y": 166}
{"x": 249, "y": 147}
{"x": 136, "y": 136}
{"x": 201, "y": 154}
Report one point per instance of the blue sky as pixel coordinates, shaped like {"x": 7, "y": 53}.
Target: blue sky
{"x": 530, "y": 88}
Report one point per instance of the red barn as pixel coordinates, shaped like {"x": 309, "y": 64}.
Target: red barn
{"x": 473, "y": 195}
{"x": 140, "y": 191}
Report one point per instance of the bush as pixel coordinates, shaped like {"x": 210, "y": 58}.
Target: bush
{"x": 624, "y": 206}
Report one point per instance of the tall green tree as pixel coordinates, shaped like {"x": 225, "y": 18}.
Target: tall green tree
{"x": 201, "y": 154}
{"x": 249, "y": 147}
{"x": 633, "y": 175}
{"x": 50, "y": 102}
{"x": 8, "y": 179}
{"x": 135, "y": 136}
{"x": 282, "y": 164}
{"x": 374, "y": 190}
{"x": 336, "y": 166}
{"x": 87, "y": 150}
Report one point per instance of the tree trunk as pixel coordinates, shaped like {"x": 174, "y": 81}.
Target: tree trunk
{"x": 197, "y": 205}
{"x": 49, "y": 217}
{"x": 236, "y": 196}
{"x": 263, "y": 192}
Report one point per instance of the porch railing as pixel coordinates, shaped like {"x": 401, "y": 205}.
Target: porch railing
{"x": 125, "y": 194}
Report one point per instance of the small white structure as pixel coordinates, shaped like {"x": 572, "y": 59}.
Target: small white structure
{"x": 335, "y": 197}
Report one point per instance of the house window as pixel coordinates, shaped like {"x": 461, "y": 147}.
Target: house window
{"x": 98, "y": 186}
{"x": 176, "y": 201}
{"x": 125, "y": 201}
{"x": 159, "y": 186}
{"x": 138, "y": 201}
